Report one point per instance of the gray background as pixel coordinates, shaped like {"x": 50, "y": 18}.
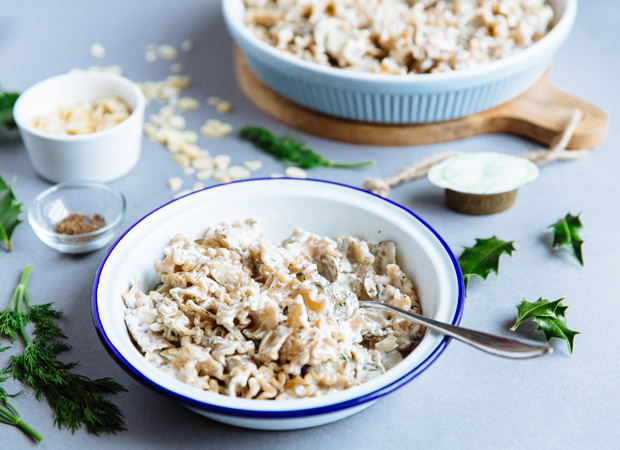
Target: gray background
{"x": 467, "y": 399}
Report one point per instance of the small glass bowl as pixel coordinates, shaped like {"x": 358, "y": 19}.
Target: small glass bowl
{"x": 83, "y": 197}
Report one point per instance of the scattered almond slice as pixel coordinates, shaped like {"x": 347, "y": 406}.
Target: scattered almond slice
{"x": 97, "y": 50}
{"x": 204, "y": 163}
{"x": 238, "y": 173}
{"x": 253, "y": 165}
{"x": 198, "y": 186}
{"x": 221, "y": 162}
{"x": 187, "y": 104}
{"x": 222, "y": 176}
{"x": 177, "y": 122}
{"x": 276, "y": 175}
{"x": 175, "y": 183}
{"x": 167, "y": 52}
{"x": 295, "y": 172}
{"x": 215, "y": 129}
{"x": 224, "y": 107}
{"x": 187, "y": 45}
{"x": 150, "y": 56}
{"x": 189, "y": 171}
{"x": 204, "y": 174}
{"x": 181, "y": 159}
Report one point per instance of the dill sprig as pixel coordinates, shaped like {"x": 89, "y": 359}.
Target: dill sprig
{"x": 75, "y": 399}
{"x": 289, "y": 149}
{"x": 8, "y": 413}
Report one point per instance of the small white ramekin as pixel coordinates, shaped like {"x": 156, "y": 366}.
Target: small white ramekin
{"x": 283, "y": 204}
{"x": 102, "y": 156}
{"x": 396, "y": 99}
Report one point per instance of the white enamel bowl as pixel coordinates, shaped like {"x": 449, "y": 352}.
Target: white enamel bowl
{"x": 102, "y": 156}
{"x": 399, "y": 99}
{"x": 283, "y": 204}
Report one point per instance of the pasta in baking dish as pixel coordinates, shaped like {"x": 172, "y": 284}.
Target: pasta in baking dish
{"x": 239, "y": 315}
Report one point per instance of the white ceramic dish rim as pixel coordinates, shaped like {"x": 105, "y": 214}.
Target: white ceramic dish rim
{"x": 83, "y": 183}
{"x": 282, "y": 412}
{"x": 25, "y": 122}
{"x": 559, "y": 30}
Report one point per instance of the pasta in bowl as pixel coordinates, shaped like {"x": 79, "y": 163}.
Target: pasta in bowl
{"x": 239, "y": 315}
{"x": 245, "y": 340}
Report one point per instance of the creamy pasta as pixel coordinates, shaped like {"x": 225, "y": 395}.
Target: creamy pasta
{"x": 240, "y": 315}
{"x": 400, "y": 36}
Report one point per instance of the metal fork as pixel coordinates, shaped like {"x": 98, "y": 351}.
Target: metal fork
{"x": 496, "y": 345}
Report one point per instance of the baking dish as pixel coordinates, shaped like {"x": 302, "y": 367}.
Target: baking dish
{"x": 399, "y": 99}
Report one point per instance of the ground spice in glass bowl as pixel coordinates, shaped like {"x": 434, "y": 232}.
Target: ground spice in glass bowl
{"x": 76, "y": 223}
{"x": 77, "y": 216}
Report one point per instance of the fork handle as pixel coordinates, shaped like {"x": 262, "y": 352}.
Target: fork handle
{"x": 496, "y": 345}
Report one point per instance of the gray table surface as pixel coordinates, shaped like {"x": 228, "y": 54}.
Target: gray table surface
{"x": 467, "y": 399}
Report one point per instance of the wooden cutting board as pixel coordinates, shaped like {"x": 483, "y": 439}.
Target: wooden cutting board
{"x": 541, "y": 114}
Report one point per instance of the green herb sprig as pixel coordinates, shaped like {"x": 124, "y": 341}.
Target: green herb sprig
{"x": 8, "y": 413}
{"x": 10, "y": 209}
{"x": 75, "y": 399}
{"x": 7, "y": 102}
{"x": 291, "y": 150}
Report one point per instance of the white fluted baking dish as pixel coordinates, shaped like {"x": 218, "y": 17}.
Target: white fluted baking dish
{"x": 399, "y": 99}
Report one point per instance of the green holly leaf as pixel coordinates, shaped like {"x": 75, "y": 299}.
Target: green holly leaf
{"x": 483, "y": 258}
{"x": 10, "y": 209}
{"x": 550, "y": 317}
{"x": 540, "y": 308}
{"x": 7, "y": 101}
{"x": 567, "y": 234}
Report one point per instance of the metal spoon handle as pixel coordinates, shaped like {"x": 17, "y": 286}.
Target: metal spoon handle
{"x": 489, "y": 343}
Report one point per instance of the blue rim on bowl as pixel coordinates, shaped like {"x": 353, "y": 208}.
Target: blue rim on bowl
{"x": 248, "y": 413}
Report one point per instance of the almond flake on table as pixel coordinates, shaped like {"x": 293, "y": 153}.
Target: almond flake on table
{"x": 167, "y": 52}
{"x": 181, "y": 159}
{"x": 224, "y": 107}
{"x": 166, "y": 90}
{"x": 215, "y": 128}
{"x": 204, "y": 174}
{"x": 203, "y": 163}
{"x": 222, "y": 176}
{"x": 187, "y": 45}
{"x": 150, "y": 56}
{"x": 276, "y": 175}
{"x": 198, "y": 186}
{"x": 175, "y": 183}
{"x": 97, "y": 50}
{"x": 295, "y": 172}
{"x": 192, "y": 150}
{"x": 177, "y": 122}
{"x": 238, "y": 173}
{"x": 253, "y": 165}
{"x": 187, "y": 104}
{"x": 189, "y": 171}
{"x": 176, "y": 67}
{"x": 222, "y": 162}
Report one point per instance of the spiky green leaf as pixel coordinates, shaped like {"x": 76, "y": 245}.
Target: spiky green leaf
{"x": 550, "y": 317}
{"x": 10, "y": 209}
{"x": 483, "y": 258}
{"x": 567, "y": 234}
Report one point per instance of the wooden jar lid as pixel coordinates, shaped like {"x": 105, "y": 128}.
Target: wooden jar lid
{"x": 479, "y": 205}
